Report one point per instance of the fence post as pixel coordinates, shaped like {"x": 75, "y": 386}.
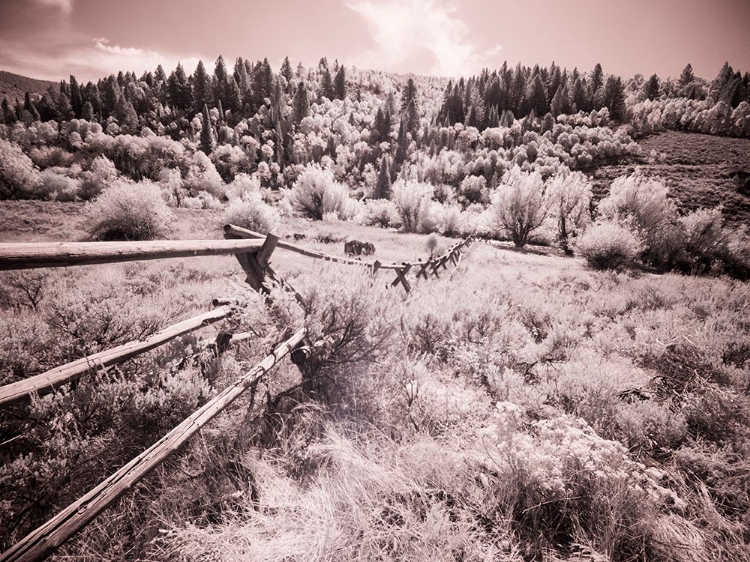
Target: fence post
{"x": 401, "y": 277}
{"x": 255, "y": 264}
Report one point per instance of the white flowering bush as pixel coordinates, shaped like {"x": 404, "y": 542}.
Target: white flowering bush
{"x": 381, "y": 212}
{"x": 608, "y": 245}
{"x": 561, "y": 483}
{"x": 57, "y": 187}
{"x": 18, "y": 175}
{"x": 520, "y": 205}
{"x": 412, "y": 200}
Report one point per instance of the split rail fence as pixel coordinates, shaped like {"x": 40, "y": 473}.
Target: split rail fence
{"x": 253, "y": 251}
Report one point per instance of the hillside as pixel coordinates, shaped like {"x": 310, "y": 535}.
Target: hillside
{"x": 14, "y": 86}
{"x": 699, "y": 170}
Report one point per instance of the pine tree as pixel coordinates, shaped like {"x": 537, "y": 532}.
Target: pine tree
{"x": 383, "y": 186}
{"x": 88, "y": 112}
{"x": 561, "y": 102}
{"x": 201, "y": 88}
{"x": 721, "y": 80}
{"x": 651, "y": 88}
{"x": 262, "y": 84}
{"x": 207, "y": 137}
{"x": 220, "y": 82}
{"x": 76, "y": 99}
{"x": 687, "y": 76}
{"x": 126, "y": 115}
{"x": 286, "y": 70}
{"x": 597, "y": 79}
{"x": 580, "y": 96}
{"x": 377, "y": 127}
{"x": 301, "y": 105}
{"x": 110, "y": 96}
{"x": 614, "y": 98}
{"x": 339, "y": 83}
{"x": 326, "y": 85}
{"x": 410, "y": 107}
{"x": 63, "y": 107}
{"x": 402, "y": 144}
{"x": 537, "y": 97}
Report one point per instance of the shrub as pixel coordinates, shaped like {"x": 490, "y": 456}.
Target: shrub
{"x": 608, "y": 245}
{"x": 242, "y": 185}
{"x": 654, "y": 215}
{"x": 129, "y": 211}
{"x": 474, "y": 190}
{"x": 520, "y": 205}
{"x": 412, "y": 200}
{"x": 570, "y": 196}
{"x": 316, "y": 193}
{"x": 100, "y": 175}
{"x": 705, "y": 240}
{"x": 381, "y": 212}
{"x": 18, "y": 175}
{"x": 57, "y": 187}
{"x": 252, "y": 213}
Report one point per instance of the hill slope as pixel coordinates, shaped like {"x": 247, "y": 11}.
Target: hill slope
{"x": 15, "y": 86}
{"x": 700, "y": 170}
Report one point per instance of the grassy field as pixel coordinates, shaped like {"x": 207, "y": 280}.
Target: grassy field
{"x": 521, "y": 407}
{"x": 700, "y": 171}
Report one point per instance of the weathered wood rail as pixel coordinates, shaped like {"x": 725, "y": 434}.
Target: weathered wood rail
{"x": 64, "y": 254}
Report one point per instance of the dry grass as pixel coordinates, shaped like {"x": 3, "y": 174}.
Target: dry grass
{"x": 521, "y": 407}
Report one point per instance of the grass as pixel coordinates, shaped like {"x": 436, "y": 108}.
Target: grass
{"x": 700, "y": 171}
{"x": 522, "y": 407}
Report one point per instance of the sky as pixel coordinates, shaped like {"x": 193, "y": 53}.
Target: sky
{"x": 51, "y": 39}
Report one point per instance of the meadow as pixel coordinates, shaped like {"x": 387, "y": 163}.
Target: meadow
{"x": 525, "y": 407}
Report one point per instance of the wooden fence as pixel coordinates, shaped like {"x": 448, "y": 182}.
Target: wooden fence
{"x": 253, "y": 251}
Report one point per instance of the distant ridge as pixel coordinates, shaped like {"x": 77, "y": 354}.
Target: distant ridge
{"x": 15, "y": 86}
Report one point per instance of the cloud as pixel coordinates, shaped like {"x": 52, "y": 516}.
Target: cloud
{"x": 422, "y": 36}
{"x": 87, "y": 59}
{"x": 65, "y": 6}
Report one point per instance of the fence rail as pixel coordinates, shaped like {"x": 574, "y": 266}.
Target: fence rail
{"x": 64, "y": 254}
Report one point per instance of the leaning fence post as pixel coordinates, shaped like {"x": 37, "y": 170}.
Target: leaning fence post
{"x": 255, "y": 264}
{"x": 401, "y": 277}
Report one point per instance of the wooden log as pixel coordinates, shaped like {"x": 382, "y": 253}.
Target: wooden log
{"x": 423, "y": 270}
{"x": 64, "y": 254}
{"x": 49, "y": 380}
{"x": 40, "y": 543}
